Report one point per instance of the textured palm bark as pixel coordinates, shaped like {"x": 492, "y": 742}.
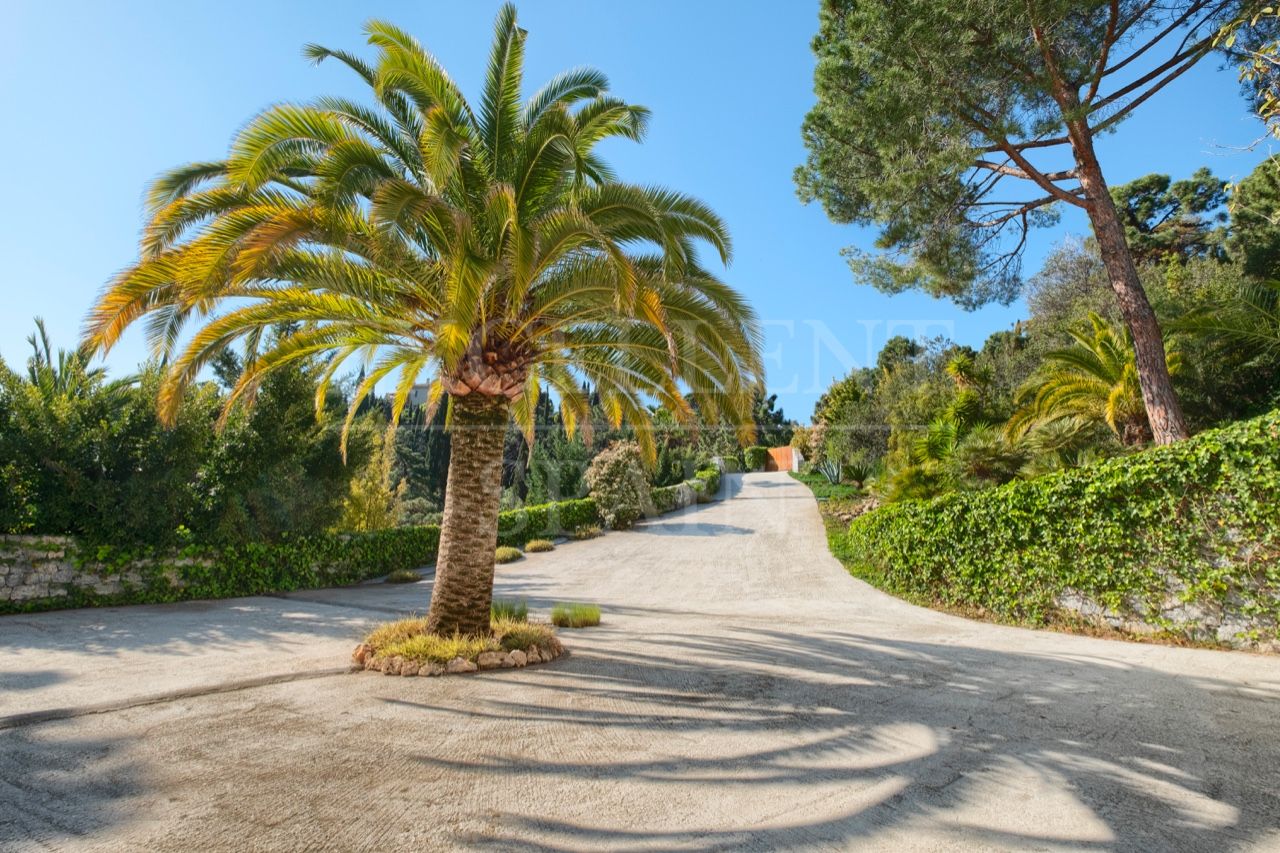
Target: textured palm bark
{"x": 463, "y": 588}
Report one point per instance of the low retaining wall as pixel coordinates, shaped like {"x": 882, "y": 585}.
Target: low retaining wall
{"x": 44, "y": 567}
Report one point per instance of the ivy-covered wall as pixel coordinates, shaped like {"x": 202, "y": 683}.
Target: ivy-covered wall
{"x": 51, "y": 572}
{"x": 1183, "y": 540}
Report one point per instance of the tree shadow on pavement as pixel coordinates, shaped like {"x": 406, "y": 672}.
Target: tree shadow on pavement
{"x": 54, "y": 788}
{"x": 969, "y": 746}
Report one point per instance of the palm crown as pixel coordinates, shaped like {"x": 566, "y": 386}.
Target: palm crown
{"x": 1095, "y": 379}
{"x": 491, "y": 251}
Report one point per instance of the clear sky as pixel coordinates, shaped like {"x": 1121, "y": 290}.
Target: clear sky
{"x": 100, "y": 97}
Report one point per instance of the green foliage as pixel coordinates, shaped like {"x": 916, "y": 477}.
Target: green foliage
{"x": 756, "y": 458}
{"x": 937, "y": 143}
{"x": 510, "y": 611}
{"x": 1199, "y": 520}
{"x": 294, "y": 562}
{"x": 507, "y": 554}
{"x": 586, "y": 531}
{"x": 1255, "y": 220}
{"x": 373, "y": 502}
{"x": 575, "y": 615}
{"x": 403, "y": 576}
{"x": 825, "y": 490}
{"x": 90, "y": 458}
{"x": 538, "y": 546}
{"x": 706, "y": 483}
{"x": 618, "y": 485}
{"x": 1093, "y": 380}
{"x": 831, "y": 469}
{"x": 518, "y": 526}
{"x": 1176, "y": 220}
{"x": 772, "y": 429}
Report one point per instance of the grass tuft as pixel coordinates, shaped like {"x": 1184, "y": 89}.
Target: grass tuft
{"x": 521, "y": 635}
{"x": 390, "y": 633}
{"x": 507, "y": 554}
{"x": 408, "y": 638}
{"x": 508, "y": 611}
{"x": 403, "y": 576}
{"x": 566, "y": 615}
{"x": 586, "y": 531}
{"x": 534, "y": 546}
{"x": 437, "y": 649}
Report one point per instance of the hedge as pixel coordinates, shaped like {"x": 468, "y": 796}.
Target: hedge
{"x": 545, "y": 521}
{"x": 756, "y": 458}
{"x": 331, "y": 559}
{"x": 1183, "y": 538}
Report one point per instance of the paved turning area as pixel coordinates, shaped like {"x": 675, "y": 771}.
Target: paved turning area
{"x": 743, "y": 693}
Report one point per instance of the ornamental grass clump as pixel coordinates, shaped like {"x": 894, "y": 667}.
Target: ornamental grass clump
{"x": 513, "y": 634}
{"x": 566, "y": 615}
{"x": 536, "y": 546}
{"x": 403, "y": 576}
{"x": 410, "y": 639}
{"x": 586, "y": 531}
{"x": 431, "y": 648}
{"x": 507, "y": 554}
{"x": 508, "y": 611}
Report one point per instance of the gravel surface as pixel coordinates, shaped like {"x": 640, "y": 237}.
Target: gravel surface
{"x": 743, "y": 692}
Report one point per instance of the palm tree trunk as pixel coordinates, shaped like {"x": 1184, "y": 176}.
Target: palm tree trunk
{"x": 1164, "y": 412}
{"x": 469, "y": 531}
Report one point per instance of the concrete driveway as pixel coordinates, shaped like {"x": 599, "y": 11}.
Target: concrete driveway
{"x": 743, "y": 693}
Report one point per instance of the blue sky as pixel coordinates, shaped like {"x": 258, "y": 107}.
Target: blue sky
{"x": 100, "y": 97}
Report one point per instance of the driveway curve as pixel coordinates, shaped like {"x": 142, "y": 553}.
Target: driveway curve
{"x": 743, "y": 693}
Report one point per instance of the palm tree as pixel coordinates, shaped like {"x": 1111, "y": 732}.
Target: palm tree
{"x": 1094, "y": 380}
{"x": 489, "y": 250}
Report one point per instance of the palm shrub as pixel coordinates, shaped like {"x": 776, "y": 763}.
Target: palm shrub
{"x": 1094, "y": 379}
{"x": 491, "y": 249}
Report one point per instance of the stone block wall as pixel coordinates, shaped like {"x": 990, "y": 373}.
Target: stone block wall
{"x": 43, "y": 567}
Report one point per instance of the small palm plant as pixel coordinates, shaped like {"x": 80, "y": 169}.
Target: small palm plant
{"x": 488, "y": 249}
{"x": 1095, "y": 379}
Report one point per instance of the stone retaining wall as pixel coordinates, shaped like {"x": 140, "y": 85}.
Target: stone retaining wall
{"x": 43, "y": 567}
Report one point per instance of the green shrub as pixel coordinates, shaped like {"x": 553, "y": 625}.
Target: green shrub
{"x": 506, "y": 554}
{"x": 575, "y": 615}
{"x": 586, "y": 531}
{"x": 756, "y": 458}
{"x": 706, "y": 483}
{"x": 619, "y": 485}
{"x": 403, "y": 576}
{"x": 295, "y": 562}
{"x": 1198, "y": 520}
{"x": 518, "y": 526}
{"x": 538, "y": 546}
{"x": 509, "y": 611}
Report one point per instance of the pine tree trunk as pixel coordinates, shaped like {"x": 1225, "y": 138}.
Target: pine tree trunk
{"x": 463, "y": 588}
{"x": 1164, "y": 412}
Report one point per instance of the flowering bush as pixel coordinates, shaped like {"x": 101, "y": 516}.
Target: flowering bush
{"x": 619, "y": 485}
